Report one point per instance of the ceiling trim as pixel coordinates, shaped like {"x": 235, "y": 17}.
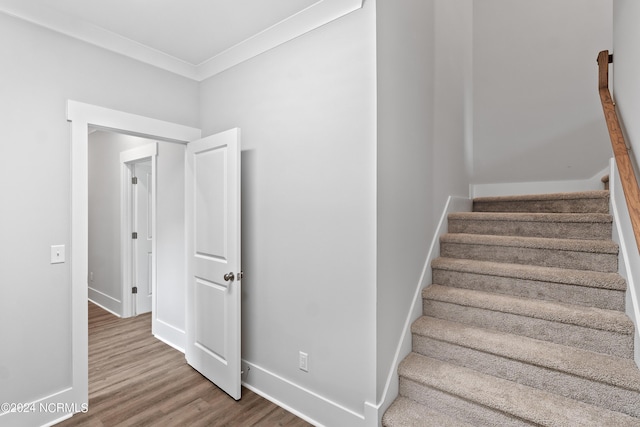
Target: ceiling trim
{"x": 306, "y": 20}
{"x": 314, "y": 16}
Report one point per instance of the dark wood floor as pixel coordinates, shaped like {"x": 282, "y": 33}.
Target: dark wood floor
{"x": 137, "y": 380}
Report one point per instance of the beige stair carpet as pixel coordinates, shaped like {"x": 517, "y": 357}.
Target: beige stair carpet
{"x": 524, "y": 323}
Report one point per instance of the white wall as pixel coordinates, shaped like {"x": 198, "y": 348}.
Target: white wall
{"x": 624, "y": 71}
{"x": 104, "y": 216}
{"x": 170, "y": 320}
{"x": 537, "y": 114}
{"x": 452, "y": 166}
{"x": 405, "y": 50}
{"x": 41, "y": 70}
{"x": 307, "y": 114}
{"x": 624, "y": 85}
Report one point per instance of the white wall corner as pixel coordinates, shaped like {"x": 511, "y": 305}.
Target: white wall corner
{"x": 453, "y": 204}
{"x": 372, "y": 416}
{"x": 629, "y": 264}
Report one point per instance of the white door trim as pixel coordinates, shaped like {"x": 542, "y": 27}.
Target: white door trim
{"x": 82, "y": 116}
{"x": 127, "y": 159}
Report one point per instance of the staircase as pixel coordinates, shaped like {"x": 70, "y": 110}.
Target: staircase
{"x": 524, "y": 323}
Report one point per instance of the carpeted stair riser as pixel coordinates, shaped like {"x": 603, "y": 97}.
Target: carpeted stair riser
{"x": 580, "y": 287}
{"x": 407, "y": 412}
{"x": 485, "y": 400}
{"x": 569, "y": 226}
{"x": 574, "y": 387}
{"x": 587, "y": 202}
{"x": 449, "y": 404}
{"x": 563, "y": 253}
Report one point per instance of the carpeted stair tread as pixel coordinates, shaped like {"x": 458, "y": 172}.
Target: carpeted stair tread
{"x": 580, "y": 287}
{"x": 578, "y": 202}
{"x": 592, "y": 279}
{"x": 526, "y": 403}
{"x": 589, "y": 317}
{"x": 590, "y": 365}
{"x": 596, "y": 255}
{"x": 591, "y": 226}
{"x": 405, "y": 412}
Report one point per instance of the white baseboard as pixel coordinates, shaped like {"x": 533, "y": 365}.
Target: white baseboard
{"x": 44, "y": 412}
{"x": 539, "y": 187}
{"x": 454, "y": 204}
{"x": 298, "y": 400}
{"x": 629, "y": 265}
{"x": 169, "y": 334}
{"x": 105, "y": 302}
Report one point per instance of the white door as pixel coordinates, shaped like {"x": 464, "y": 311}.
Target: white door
{"x": 213, "y": 259}
{"x": 142, "y": 252}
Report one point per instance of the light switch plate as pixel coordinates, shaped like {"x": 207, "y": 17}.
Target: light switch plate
{"x": 57, "y": 254}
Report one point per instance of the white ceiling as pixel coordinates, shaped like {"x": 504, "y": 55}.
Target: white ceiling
{"x": 194, "y": 38}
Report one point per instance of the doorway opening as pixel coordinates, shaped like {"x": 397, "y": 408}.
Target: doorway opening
{"x": 118, "y": 207}
{"x": 82, "y": 117}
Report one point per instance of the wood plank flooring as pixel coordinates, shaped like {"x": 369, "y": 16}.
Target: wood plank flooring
{"x": 137, "y": 380}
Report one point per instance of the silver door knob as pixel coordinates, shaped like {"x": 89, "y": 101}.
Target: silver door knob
{"x": 229, "y": 277}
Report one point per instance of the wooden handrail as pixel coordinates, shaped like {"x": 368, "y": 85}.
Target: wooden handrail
{"x": 620, "y": 151}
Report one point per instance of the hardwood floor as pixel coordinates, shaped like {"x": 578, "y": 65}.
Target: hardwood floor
{"x": 137, "y": 380}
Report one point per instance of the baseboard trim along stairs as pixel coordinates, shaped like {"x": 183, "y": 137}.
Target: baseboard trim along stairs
{"x": 524, "y": 323}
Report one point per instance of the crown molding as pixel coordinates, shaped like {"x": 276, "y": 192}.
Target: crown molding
{"x": 314, "y": 16}
{"x": 306, "y": 20}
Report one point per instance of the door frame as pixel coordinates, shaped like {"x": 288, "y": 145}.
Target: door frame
{"x": 127, "y": 160}
{"x": 82, "y": 116}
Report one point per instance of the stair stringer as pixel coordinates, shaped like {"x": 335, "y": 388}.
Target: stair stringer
{"x": 629, "y": 258}
{"x": 392, "y": 385}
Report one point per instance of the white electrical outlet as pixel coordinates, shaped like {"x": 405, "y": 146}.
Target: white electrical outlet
{"x": 244, "y": 373}
{"x": 304, "y": 361}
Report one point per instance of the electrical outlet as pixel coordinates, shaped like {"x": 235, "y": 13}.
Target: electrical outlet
{"x": 244, "y": 374}
{"x": 304, "y": 361}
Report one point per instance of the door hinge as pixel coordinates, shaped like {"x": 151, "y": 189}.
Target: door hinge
{"x": 134, "y": 290}
{"x": 134, "y": 235}
{"x": 134, "y": 180}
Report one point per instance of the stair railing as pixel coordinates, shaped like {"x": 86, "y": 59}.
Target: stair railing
{"x": 620, "y": 150}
